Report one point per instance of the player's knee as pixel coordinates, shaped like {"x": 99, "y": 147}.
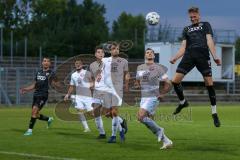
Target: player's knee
{"x": 96, "y": 112}
{"x": 34, "y": 113}
{"x": 207, "y": 83}
{"x": 141, "y": 116}
{"x": 107, "y": 113}
{"x": 114, "y": 112}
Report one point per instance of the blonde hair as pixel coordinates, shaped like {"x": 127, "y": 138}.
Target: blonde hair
{"x": 193, "y": 10}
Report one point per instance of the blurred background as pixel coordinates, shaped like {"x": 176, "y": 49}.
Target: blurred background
{"x": 61, "y": 29}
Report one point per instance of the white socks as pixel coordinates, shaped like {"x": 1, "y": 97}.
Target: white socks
{"x": 85, "y": 125}
{"x": 182, "y": 102}
{"x": 115, "y": 125}
{"x": 99, "y": 124}
{"x": 29, "y": 130}
{"x": 83, "y": 120}
{"x": 214, "y": 109}
{"x": 120, "y": 120}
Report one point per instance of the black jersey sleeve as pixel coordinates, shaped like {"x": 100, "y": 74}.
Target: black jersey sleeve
{"x": 184, "y": 33}
{"x": 208, "y": 28}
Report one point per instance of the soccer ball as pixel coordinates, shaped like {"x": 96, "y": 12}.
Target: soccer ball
{"x": 152, "y": 18}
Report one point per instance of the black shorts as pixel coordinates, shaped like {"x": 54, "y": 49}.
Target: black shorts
{"x": 198, "y": 57}
{"x": 39, "y": 101}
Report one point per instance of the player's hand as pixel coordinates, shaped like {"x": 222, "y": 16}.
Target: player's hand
{"x": 91, "y": 85}
{"x": 22, "y": 91}
{"x": 217, "y": 61}
{"x": 173, "y": 60}
{"x": 66, "y": 97}
{"x": 161, "y": 97}
{"x": 98, "y": 78}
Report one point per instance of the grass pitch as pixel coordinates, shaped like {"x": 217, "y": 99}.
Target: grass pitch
{"x": 192, "y": 132}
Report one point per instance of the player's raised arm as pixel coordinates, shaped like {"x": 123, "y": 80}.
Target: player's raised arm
{"x": 212, "y": 49}
{"x": 28, "y": 88}
{"x": 180, "y": 52}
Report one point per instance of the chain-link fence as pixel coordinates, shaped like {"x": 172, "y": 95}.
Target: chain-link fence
{"x": 11, "y": 80}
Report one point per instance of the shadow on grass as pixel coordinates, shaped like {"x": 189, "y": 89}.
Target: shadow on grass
{"x": 18, "y": 130}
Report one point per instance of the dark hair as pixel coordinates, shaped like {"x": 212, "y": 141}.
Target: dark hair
{"x": 77, "y": 59}
{"x": 98, "y": 47}
{"x": 46, "y": 57}
{"x": 149, "y": 49}
{"x": 113, "y": 44}
{"x": 193, "y": 10}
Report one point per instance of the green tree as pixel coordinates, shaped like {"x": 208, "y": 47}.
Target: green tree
{"x": 61, "y": 27}
{"x": 70, "y": 28}
{"x": 129, "y": 27}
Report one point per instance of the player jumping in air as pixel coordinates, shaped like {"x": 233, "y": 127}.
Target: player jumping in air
{"x": 195, "y": 47}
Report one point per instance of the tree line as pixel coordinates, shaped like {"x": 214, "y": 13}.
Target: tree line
{"x": 66, "y": 28}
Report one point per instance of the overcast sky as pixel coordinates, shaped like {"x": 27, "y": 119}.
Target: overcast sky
{"x": 222, "y": 14}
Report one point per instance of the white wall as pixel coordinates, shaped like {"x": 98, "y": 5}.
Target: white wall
{"x": 167, "y": 50}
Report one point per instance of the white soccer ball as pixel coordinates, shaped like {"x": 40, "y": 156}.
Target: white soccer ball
{"x": 152, "y": 18}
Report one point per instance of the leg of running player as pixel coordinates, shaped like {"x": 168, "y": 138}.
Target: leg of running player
{"x": 212, "y": 97}
{"x": 98, "y": 120}
{"x": 176, "y": 81}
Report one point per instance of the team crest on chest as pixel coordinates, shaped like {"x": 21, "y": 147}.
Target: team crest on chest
{"x": 151, "y": 68}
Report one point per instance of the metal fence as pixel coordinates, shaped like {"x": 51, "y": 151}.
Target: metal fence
{"x": 174, "y": 34}
{"x": 11, "y": 80}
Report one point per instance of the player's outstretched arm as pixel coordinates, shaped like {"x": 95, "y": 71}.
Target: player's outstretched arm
{"x": 180, "y": 52}
{"x": 70, "y": 90}
{"x": 28, "y": 88}
{"x": 212, "y": 49}
{"x": 167, "y": 86}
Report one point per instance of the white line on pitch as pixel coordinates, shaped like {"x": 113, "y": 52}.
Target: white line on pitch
{"x": 37, "y": 156}
{"x": 202, "y": 125}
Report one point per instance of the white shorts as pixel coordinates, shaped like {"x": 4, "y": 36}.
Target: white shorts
{"x": 116, "y": 99}
{"x": 82, "y": 102}
{"x": 116, "y": 96}
{"x": 102, "y": 97}
{"x": 108, "y": 97}
{"x": 149, "y": 104}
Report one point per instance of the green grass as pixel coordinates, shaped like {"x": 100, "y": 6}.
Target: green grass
{"x": 193, "y": 135}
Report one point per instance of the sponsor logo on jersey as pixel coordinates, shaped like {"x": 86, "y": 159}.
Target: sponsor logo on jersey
{"x": 192, "y": 29}
{"x": 41, "y": 78}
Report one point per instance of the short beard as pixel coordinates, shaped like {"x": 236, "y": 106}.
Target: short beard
{"x": 45, "y": 68}
{"x": 150, "y": 59}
